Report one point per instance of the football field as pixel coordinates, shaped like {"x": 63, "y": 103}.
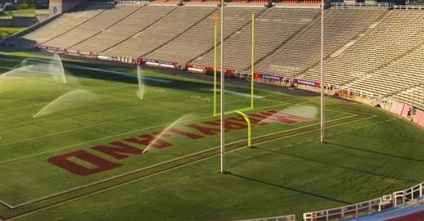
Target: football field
{"x": 105, "y": 142}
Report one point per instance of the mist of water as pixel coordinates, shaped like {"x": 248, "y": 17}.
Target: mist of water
{"x": 140, "y": 92}
{"x": 70, "y": 100}
{"x": 32, "y": 69}
{"x": 297, "y": 113}
{"x": 173, "y": 124}
{"x": 57, "y": 63}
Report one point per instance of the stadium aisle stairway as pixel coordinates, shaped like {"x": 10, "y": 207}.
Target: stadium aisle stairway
{"x": 272, "y": 28}
{"x": 391, "y": 79}
{"x": 373, "y": 50}
{"x": 235, "y": 19}
{"x": 413, "y": 96}
{"x": 65, "y": 23}
{"x": 125, "y": 29}
{"x": 387, "y": 41}
{"x": 92, "y": 26}
{"x": 341, "y": 25}
{"x": 172, "y": 26}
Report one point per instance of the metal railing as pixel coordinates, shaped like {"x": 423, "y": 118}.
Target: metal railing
{"x": 367, "y": 207}
{"x": 409, "y": 7}
{"x": 128, "y": 2}
{"x": 277, "y": 218}
{"x": 374, "y": 5}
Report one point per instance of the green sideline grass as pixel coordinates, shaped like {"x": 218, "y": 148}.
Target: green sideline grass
{"x": 21, "y": 12}
{"x": 373, "y": 154}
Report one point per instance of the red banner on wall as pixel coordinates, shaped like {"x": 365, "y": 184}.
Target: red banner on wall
{"x": 394, "y": 106}
{"x": 399, "y": 109}
{"x": 419, "y": 118}
{"x": 406, "y": 111}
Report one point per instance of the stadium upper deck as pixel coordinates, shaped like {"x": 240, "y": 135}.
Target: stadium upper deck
{"x": 374, "y": 52}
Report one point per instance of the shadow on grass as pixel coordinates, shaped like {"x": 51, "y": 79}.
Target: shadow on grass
{"x": 375, "y": 152}
{"x": 288, "y": 188}
{"x": 338, "y": 166}
{"x": 232, "y": 83}
{"x": 124, "y": 74}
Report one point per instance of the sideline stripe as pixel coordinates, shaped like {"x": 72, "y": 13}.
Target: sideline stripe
{"x": 117, "y": 72}
{"x": 105, "y": 138}
{"x": 239, "y": 93}
{"x": 189, "y": 163}
{"x": 98, "y": 70}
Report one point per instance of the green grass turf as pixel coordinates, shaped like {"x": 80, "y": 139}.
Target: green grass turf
{"x": 374, "y": 155}
{"x": 21, "y": 12}
{"x": 6, "y": 31}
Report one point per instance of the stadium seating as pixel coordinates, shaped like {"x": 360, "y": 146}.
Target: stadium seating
{"x": 272, "y": 28}
{"x": 65, "y": 23}
{"x": 413, "y": 96}
{"x": 199, "y": 40}
{"x": 387, "y": 41}
{"x": 92, "y": 27}
{"x": 372, "y": 51}
{"x": 400, "y": 74}
{"x": 125, "y": 29}
{"x": 303, "y": 51}
{"x": 194, "y": 42}
{"x": 164, "y": 31}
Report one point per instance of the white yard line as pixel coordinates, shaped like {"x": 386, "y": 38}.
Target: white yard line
{"x": 167, "y": 170}
{"x": 105, "y": 138}
{"x": 239, "y": 93}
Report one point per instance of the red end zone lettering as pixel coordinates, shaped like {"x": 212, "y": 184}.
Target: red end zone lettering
{"x": 205, "y": 130}
{"x": 117, "y": 152}
{"x": 287, "y": 118}
{"x": 186, "y": 134}
{"x": 65, "y": 161}
{"x": 149, "y": 140}
{"x": 120, "y": 150}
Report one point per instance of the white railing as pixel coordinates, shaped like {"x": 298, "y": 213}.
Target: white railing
{"x": 374, "y": 5}
{"x": 361, "y": 93}
{"x": 367, "y": 207}
{"x": 100, "y": 3}
{"x": 409, "y": 7}
{"x": 132, "y": 2}
{"x": 3, "y": 7}
{"x": 277, "y": 218}
{"x": 346, "y": 211}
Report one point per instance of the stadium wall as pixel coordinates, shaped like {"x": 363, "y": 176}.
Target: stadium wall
{"x": 60, "y": 6}
{"x": 419, "y": 118}
{"x": 411, "y": 195}
{"x": 415, "y": 216}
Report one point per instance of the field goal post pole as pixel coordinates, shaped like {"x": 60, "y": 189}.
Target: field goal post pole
{"x": 252, "y": 71}
{"x": 322, "y": 129}
{"x": 249, "y": 128}
{"x": 222, "y": 92}
{"x": 215, "y": 33}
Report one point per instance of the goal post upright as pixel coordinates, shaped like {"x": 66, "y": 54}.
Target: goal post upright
{"x": 252, "y": 66}
{"x": 215, "y": 35}
{"x": 222, "y": 125}
{"x": 215, "y": 66}
{"x": 322, "y": 129}
{"x": 249, "y": 127}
